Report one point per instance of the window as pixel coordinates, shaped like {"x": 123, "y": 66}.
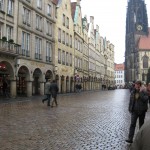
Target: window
{"x": 67, "y": 58}
{"x": 38, "y": 22}
{"x": 39, "y": 4}
{"x": 1, "y": 30}
{"x": 25, "y": 44}
{"x": 67, "y": 39}
{"x": 48, "y": 51}
{"x": 70, "y": 40}
{"x": 49, "y": 10}
{"x": 63, "y": 37}
{"x": 145, "y": 62}
{"x": 10, "y": 7}
{"x": 38, "y": 47}
{"x": 76, "y": 43}
{"x": 59, "y": 35}
{"x": 2, "y": 5}
{"x": 63, "y": 57}
{"x": 9, "y": 30}
{"x": 81, "y": 47}
{"x": 63, "y": 20}
{"x": 59, "y": 56}
{"x": 70, "y": 60}
{"x": 26, "y": 16}
{"x": 75, "y": 62}
{"x": 67, "y": 23}
{"x": 65, "y": 6}
{"x": 49, "y": 28}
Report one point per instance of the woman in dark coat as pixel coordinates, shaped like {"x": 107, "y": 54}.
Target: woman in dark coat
{"x": 54, "y": 90}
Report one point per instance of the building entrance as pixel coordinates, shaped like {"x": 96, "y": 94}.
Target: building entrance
{"x": 21, "y": 81}
{"x": 4, "y": 80}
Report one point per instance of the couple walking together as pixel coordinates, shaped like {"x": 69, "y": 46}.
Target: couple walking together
{"x": 51, "y": 90}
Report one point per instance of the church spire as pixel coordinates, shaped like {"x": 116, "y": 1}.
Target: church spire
{"x": 136, "y": 17}
{"x": 136, "y": 25}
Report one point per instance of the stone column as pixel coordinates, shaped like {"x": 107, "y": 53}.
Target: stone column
{"x": 68, "y": 86}
{"x": 13, "y": 89}
{"x": 59, "y": 84}
{"x": 41, "y": 88}
{"x": 64, "y": 86}
{"x": 29, "y": 88}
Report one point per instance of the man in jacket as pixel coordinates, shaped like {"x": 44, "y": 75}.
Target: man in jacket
{"x": 54, "y": 90}
{"x": 47, "y": 92}
{"x": 142, "y": 141}
{"x": 137, "y": 107}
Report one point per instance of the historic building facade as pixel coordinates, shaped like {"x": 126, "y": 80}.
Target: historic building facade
{"x": 64, "y": 47}
{"x": 98, "y": 81}
{"x": 85, "y": 54}
{"x": 143, "y": 48}
{"x": 78, "y": 42}
{"x": 110, "y": 63}
{"x": 92, "y": 53}
{"x": 49, "y": 39}
{"x": 27, "y": 45}
{"x": 119, "y": 75}
{"x": 136, "y": 27}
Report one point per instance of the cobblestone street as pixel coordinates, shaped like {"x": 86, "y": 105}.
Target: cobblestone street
{"x": 82, "y": 121}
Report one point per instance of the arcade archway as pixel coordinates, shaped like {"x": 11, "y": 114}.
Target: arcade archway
{"x": 6, "y": 73}
{"x": 23, "y": 76}
{"x": 37, "y": 76}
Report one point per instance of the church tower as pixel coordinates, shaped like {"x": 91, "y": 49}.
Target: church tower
{"x": 136, "y": 26}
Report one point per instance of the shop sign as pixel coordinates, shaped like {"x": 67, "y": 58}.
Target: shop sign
{"x": 37, "y": 64}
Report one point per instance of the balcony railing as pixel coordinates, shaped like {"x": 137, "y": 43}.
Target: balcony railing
{"x": 38, "y": 56}
{"x": 7, "y": 47}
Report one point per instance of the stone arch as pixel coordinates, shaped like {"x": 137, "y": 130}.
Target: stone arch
{"x": 37, "y": 79}
{"x": 48, "y": 75}
{"x": 22, "y": 77}
{"x": 7, "y": 69}
{"x": 6, "y": 73}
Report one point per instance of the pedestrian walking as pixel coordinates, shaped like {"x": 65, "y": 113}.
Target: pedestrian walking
{"x": 141, "y": 141}
{"x": 148, "y": 90}
{"x": 79, "y": 87}
{"x": 5, "y": 88}
{"x": 138, "y": 106}
{"x": 47, "y": 92}
{"x": 54, "y": 91}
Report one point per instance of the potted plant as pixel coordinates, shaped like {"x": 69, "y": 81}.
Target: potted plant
{"x": 11, "y": 41}
{"x": 4, "y": 38}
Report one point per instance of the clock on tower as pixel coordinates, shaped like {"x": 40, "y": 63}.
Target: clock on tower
{"x": 139, "y": 27}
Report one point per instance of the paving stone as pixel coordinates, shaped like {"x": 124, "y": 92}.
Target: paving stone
{"x": 86, "y": 121}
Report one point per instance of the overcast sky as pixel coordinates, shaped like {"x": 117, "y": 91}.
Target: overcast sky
{"x": 110, "y": 15}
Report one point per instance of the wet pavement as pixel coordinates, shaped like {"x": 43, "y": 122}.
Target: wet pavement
{"x": 82, "y": 121}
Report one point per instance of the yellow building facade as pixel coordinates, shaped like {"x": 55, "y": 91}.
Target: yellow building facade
{"x": 49, "y": 39}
